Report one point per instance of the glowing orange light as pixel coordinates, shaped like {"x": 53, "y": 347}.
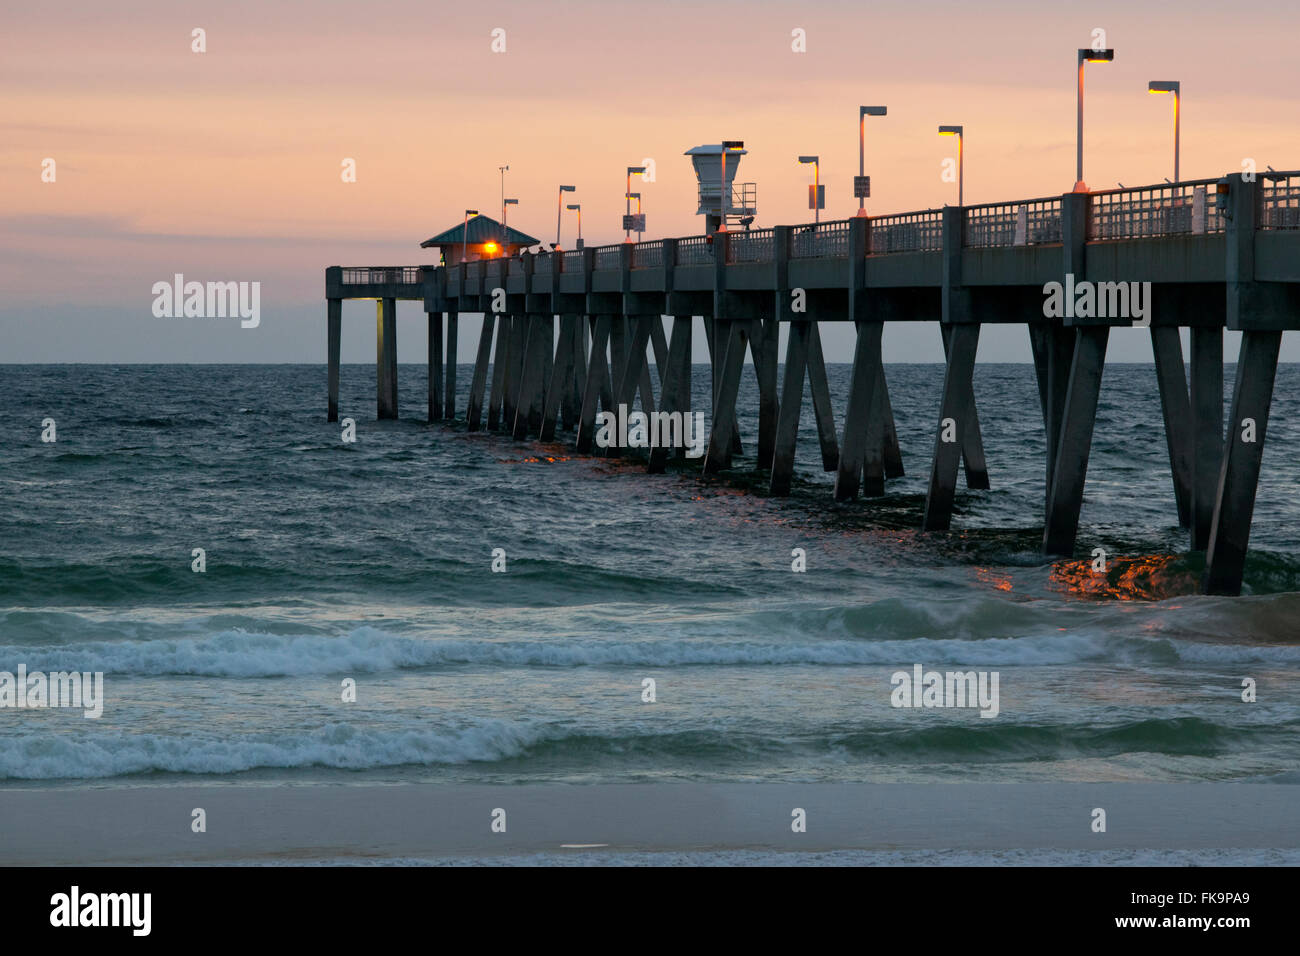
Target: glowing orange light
{"x": 490, "y": 247}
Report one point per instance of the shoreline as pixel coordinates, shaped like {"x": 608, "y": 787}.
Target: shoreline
{"x": 650, "y": 824}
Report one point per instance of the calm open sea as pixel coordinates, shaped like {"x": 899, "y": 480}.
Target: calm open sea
{"x": 372, "y": 561}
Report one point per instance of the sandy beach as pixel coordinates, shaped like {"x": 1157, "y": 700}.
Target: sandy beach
{"x": 720, "y": 823}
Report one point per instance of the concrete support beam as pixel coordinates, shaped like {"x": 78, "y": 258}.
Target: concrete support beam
{"x": 1065, "y": 500}
{"x": 1171, "y": 377}
{"x": 478, "y": 385}
{"x": 334, "y": 339}
{"x": 539, "y": 337}
{"x": 435, "y": 365}
{"x": 862, "y": 390}
{"x": 821, "y": 399}
{"x": 386, "y": 357}
{"x": 972, "y": 442}
{"x": 1206, "y": 396}
{"x": 559, "y": 386}
{"x": 719, "y": 454}
{"x": 1252, "y": 396}
{"x": 787, "y": 429}
{"x": 449, "y": 396}
{"x": 597, "y": 381}
{"x": 962, "y": 345}
{"x": 893, "y": 454}
{"x": 676, "y": 397}
{"x": 765, "y": 347}
{"x": 500, "y": 362}
{"x": 713, "y": 336}
{"x": 513, "y": 373}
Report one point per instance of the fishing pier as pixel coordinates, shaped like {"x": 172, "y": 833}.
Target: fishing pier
{"x": 1218, "y": 254}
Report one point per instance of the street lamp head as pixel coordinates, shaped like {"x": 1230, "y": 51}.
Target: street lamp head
{"x": 950, "y": 130}
{"x": 636, "y": 170}
{"x": 568, "y": 189}
{"x": 733, "y": 144}
{"x": 471, "y": 212}
{"x": 633, "y": 195}
{"x": 809, "y": 159}
{"x": 573, "y": 205}
{"x": 1096, "y": 56}
{"x": 1164, "y": 86}
{"x": 872, "y": 111}
{"x": 511, "y": 202}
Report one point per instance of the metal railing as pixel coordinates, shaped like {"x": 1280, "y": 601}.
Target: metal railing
{"x": 906, "y": 232}
{"x": 542, "y": 264}
{"x": 695, "y": 251}
{"x": 1026, "y": 223}
{"x": 1151, "y": 211}
{"x": 514, "y": 266}
{"x": 608, "y": 257}
{"x": 822, "y": 240}
{"x": 572, "y": 261}
{"x": 1279, "y": 201}
{"x": 648, "y": 255}
{"x": 381, "y": 275}
{"x": 753, "y": 246}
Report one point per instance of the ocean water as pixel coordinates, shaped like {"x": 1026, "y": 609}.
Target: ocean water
{"x": 372, "y": 561}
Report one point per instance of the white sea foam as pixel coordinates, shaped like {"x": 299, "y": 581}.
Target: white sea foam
{"x": 339, "y": 745}
{"x": 372, "y": 650}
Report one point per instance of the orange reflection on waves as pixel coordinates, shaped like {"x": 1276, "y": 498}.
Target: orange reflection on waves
{"x": 1150, "y": 577}
{"x": 997, "y": 581}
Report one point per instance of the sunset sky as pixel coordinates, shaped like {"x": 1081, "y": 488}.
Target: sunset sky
{"x": 225, "y": 165}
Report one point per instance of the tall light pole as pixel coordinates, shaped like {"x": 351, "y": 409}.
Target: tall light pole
{"x": 817, "y": 181}
{"x": 1086, "y": 56}
{"x": 503, "y": 202}
{"x": 627, "y": 192}
{"x": 1174, "y": 87}
{"x": 724, "y": 191}
{"x": 957, "y": 131}
{"x": 559, "y": 202}
{"x": 637, "y": 197}
{"x": 464, "y": 242}
{"x": 577, "y": 208}
{"x": 505, "y": 227}
{"x": 860, "y": 188}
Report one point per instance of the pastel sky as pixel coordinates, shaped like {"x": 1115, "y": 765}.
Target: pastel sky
{"x": 225, "y": 165}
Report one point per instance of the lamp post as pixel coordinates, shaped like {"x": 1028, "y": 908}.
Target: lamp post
{"x": 1086, "y": 56}
{"x": 559, "y": 202}
{"x": 464, "y": 244}
{"x": 637, "y": 197}
{"x": 1174, "y": 87}
{"x": 817, "y": 181}
{"x": 503, "y": 202}
{"x": 505, "y": 227}
{"x": 860, "y": 190}
{"x": 957, "y": 131}
{"x": 724, "y": 191}
{"x": 577, "y": 208}
{"x": 627, "y": 192}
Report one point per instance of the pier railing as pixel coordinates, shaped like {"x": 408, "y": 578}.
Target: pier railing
{"x": 757, "y": 245}
{"x": 1026, "y": 223}
{"x": 820, "y": 240}
{"x": 1280, "y": 201}
{"x": 1172, "y": 209}
{"x": 381, "y": 275}
{"x": 907, "y": 232}
{"x": 695, "y": 251}
{"x": 648, "y": 255}
{"x": 1169, "y": 209}
{"x": 608, "y": 257}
